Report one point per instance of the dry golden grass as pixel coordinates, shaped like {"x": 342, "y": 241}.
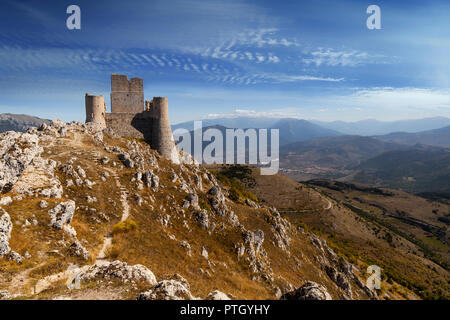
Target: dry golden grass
{"x": 360, "y": 241}
{"x": 149, "y": 243}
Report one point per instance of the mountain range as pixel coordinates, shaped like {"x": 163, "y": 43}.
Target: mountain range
{"x": 311, "y": 151}
{"x": 291, "y": 130}
{"x": 19, "y": 122}
{"x": 372, "y": 127}
{"x": 437, "y": 137}
{"x": 367, "y": 127}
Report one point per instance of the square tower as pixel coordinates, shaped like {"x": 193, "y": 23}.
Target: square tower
{"x": 127, "y": 96}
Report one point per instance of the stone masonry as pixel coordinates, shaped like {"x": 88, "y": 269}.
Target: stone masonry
{"x": 132, "y": 117}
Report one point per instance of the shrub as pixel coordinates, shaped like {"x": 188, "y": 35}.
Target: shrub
{"x": 203, "y": 204}
{"x": 237, "y": 191}
{"x": 124, "y": 226}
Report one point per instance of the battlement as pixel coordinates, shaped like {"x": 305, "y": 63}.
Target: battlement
{"x": 158, "y": 107}
{"x": 120, "y": 83}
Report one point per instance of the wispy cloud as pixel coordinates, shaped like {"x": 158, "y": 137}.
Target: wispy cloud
{"x": 333, "y": 58}
{"x": 295, "y": 78}
{"x": 255, "y": 78}
{"x": 251, "y": 45}
{"x": 402, "y": 98}
{"x": 264, "y": 38}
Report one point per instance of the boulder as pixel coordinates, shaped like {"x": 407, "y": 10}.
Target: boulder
{"x": 192, "y": 199}
{"x": 118, "y": 270}
{"x": 255, "y": 240}
{"x": 309, "y": 291}
{"x": 203, "y": 219}
{"x": 217, "y": 295}
{"x": 175, "y": 288}
{"x": 150, "y": 179}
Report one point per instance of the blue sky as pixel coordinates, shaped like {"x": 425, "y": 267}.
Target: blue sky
{"x": 307, "y": 59}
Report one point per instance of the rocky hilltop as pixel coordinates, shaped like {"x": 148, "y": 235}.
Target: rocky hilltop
{"x": 87, "y": 215}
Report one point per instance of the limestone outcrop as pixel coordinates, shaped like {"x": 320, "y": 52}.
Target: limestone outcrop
{"x": 17, "y": 151}
{"x": 308, "y": 291}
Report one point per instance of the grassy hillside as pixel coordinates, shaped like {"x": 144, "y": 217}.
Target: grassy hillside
{"x": 133, "y": 206}
{"x": 416, "y": 169}
{"x": 409, "y": 267}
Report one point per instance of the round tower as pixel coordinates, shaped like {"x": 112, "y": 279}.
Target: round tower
{"x": 162, "y": 138}
{"x": 95, "y": 109}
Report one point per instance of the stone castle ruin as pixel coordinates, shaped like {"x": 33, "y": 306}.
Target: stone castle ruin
{"x": 131, "y": 116}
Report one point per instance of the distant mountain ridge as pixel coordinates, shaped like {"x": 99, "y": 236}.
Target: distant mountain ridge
{"x": 437, "y": 137}
{"x": 19, "y": 122}
{"x": 238, "y": 122}
{"x": 372, "y": 127}
{"x": 291, "y": 130}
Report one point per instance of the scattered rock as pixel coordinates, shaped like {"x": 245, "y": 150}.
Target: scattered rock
{"x": 150, "y": 180}
{"x": 62, "y": 214}
{"x": 4, "y": 295}
{"x": 255, "y": 241}
{"x": 15, "y": 257}
{"x": 280, "y": 230}
{"x": 340, "y": 279}
{"x": 5, "y": 232}
{"x": 91, "y": 199}
{"x": 43, "y": 204}
{"x": 77, "y": 250}
{"x": 192, "y": 199}
{"x": 187, "y": 246}
{"x": 5, "y": 201}
{"x": 251, "y": 203}
{"x": 203, "y": 219}
{"x": 204, "y": 253}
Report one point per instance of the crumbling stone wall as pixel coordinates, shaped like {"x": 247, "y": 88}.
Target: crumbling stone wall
{"x": 130, "y": 125}
{"x": 127, "y": 96}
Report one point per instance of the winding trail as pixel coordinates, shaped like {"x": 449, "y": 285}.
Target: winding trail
{"x": 329, "y": 205}
{"x": 20, "y": 283}
{"x": 107, "y": 240}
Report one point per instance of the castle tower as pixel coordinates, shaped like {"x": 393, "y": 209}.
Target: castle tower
{"x": 95, "y": 109}
{"x": 127, "y": 96}
{"x": 162, "y": 137}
